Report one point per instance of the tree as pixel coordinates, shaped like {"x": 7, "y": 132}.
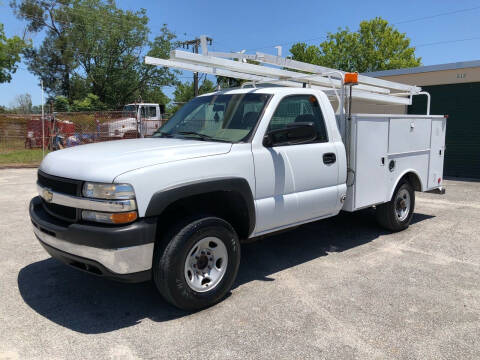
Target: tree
{"x": 91, "y": 102}
{"x": 60, "y": 103}
{"x": 10, "y": 50}
{"x": 184, "y": 92}
{"x": 91, "y": 46}
{"x": 53, "y": 60}
{"x": 155, "y": 96}
{"x": 375, "y": 46}
{"x": 22, "y": 104}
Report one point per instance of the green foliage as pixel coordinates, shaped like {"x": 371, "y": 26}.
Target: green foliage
{"x": 184, "y": 92}
{"x": 90, "y": 103}
{"x": 60, "y": 103}
{"x": 156, "y": 96}
{"x": 10, "y": 50}
{"x": 375, "y": 46}
{"x": 91, "y": 46}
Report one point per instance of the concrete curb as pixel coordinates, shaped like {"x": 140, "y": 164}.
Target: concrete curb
{"x": 19, "y": 166}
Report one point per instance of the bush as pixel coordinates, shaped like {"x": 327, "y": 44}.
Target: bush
{"x": 90, "y": 103}
{"x": 61, "y": 104}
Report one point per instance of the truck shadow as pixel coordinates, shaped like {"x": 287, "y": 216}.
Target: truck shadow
{"x": 91, "y": 305}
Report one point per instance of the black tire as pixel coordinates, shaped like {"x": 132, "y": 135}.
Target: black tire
{"x": 171, "y": 253}
{"x": 387, "y": 215}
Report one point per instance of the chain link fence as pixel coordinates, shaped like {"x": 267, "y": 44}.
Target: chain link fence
{"x": 62, "y": 130}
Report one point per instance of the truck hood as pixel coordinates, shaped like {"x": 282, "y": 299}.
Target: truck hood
{"x": 104, "y": 161}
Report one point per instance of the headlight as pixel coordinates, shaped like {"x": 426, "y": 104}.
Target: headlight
{"x": 108, "y": 191}
{"x": 109, "y": 218}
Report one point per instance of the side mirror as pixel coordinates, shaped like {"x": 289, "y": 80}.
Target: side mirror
{"x": 292, "y": 134}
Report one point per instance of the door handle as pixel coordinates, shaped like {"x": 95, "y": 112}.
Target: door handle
{"x": 329, "y": 158}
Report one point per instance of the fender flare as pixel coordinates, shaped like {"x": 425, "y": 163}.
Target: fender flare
{"x": 163, "y": 198}
{"x": 422, "y": 187}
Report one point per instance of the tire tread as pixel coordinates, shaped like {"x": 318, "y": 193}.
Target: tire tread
{"x": 167, "y": 246}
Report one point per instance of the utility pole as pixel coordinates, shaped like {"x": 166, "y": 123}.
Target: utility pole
{"x": 195, "y": 45}
{"x": 43, "y": 125}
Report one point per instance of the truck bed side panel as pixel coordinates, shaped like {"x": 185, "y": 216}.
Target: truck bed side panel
{"x": 384, "y": 148}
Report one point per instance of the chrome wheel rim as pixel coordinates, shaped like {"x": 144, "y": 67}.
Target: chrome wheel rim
{"x": 206, "y": 264}
{"x": 402, "y": 204}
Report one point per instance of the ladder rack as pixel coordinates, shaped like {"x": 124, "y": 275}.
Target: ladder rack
{"x": 287, "y": 72}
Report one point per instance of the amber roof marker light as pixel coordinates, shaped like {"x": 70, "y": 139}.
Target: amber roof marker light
{"x": 351, "y": 78}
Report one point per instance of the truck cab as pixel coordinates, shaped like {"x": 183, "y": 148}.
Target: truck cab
{"x": 227, "y": 167}
{"x": 138, "y": 120}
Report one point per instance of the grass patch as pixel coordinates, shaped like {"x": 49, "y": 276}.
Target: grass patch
{"x": 24, "y": 156}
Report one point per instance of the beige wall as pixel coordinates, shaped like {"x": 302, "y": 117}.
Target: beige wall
{"x": 420, "y": 79}
{"x": 438, "y": 77}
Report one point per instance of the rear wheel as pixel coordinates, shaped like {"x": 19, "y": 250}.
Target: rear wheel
{"x": 396, "y": 214}
{"x": 196, "y": 263}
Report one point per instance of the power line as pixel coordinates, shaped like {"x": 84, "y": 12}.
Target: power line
{"x": 437, "y": 15}
{"x": 449, "y": 41}
{"x": 395, "y": 23}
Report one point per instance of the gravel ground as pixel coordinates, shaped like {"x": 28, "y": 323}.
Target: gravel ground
{"x": 339, "y": 289}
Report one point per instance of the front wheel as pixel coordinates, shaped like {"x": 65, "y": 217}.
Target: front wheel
{"x": 196, "y": 263}
{"x": 396, "y": 214}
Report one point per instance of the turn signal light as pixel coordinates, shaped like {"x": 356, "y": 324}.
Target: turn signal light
{"x": 351, "y": 78}
{"x": 122, "y": 218}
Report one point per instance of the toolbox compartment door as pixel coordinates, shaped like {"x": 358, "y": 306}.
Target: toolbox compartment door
{"x": 408, "y": 135}
{"x": 371, "y": 152}
{"x": 437, "y": 152}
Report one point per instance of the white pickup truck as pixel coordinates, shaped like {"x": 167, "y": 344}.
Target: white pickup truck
{"x": 228, "y": 166}
{"x": 139, "y": 120}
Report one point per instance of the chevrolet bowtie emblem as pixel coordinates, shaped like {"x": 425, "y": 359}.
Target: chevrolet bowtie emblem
{"x": 47, "y": 195}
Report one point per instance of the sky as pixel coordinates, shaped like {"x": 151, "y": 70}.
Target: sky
{"x": 443, "y": 31}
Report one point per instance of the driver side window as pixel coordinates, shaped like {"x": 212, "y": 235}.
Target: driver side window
{"x": 299, "y": 109}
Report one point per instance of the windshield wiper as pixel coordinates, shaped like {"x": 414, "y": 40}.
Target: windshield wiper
{"x": 201, "y": 136}
{"x": 164, "y": 134}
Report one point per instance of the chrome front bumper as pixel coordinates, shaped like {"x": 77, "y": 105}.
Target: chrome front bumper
{"x": 117, "y": 251}
{"x": 121, "y": 261}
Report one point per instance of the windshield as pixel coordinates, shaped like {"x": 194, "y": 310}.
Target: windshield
{"x": 229, "y": 118}
{"x": 130, "y": 110}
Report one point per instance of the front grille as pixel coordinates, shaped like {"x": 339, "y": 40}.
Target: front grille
{"x": 104, "y": 130}
{"x": 64, "y": 186}
{"x": 65, "y": 213}
{"x": 59, "y": 184}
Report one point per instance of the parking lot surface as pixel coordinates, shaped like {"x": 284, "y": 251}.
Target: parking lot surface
{"x": 341, "y": 288}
